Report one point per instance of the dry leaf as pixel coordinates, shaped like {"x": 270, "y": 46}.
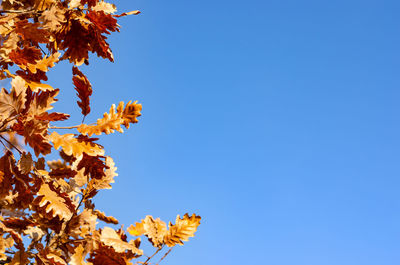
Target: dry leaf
{"x": 183, "y": 228}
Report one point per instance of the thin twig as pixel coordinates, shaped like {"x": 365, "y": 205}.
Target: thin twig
{"x": 6, "y": 147}
{"x": 163, "y": 257}
{"x": 149, "y": 258}
{"x": 43, "y": 50}
{"x": 19, "y": 11}
{"x": 68, "y": 127}
{"x": 16, "y": 148}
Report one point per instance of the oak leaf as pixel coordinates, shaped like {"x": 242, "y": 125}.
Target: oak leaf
{"x": 108, "y": 177}
{"x": 54, "y": 202}
{"x": 112, "y": 121}
{"x": 135, "y": 12}
{"x": 103, "y": 217}
{"x": 84, "y": 89}
{"x": 9, "y": 44}
{"x": 5, "y": 243}
{"x": 137, "y": 229}
{"x": 25, "y": 163}
{"x": 71, "y": 146}
{"x": 183, "y": 228}
{"x": 42, "y": 64}
{"x": 78, "y": 258}
{"x": 53, "y": 18}
{"x": 111, "y": 238}
{"x": 41, "y": 5}
{"x": 105, "y": 7}
{"x": 154, "y": 229}
{"x": 20, "y": 258}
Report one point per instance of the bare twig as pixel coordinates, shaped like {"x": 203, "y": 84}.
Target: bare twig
{"x": 155, "y": 253}
{"x": 6, "y": 147}
{"x": 11, "y": 144}
{"x": 68, "y": 127}
{"x": 163, "y": 257}
{"x": 19, "y": 11}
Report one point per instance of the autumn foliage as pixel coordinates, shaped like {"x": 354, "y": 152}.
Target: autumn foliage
{"x": 48, "y": 215}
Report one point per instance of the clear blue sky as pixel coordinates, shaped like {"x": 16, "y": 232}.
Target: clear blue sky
{"x": 276, "y": 121}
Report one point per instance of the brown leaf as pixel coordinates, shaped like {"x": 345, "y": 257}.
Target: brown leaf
{"x": 103, "y": 217}
{"x": 84, "y": 89}
{"x": 32, "y": 31}
{"x": 25, "y": 163}
{"x": 54, "y": 116}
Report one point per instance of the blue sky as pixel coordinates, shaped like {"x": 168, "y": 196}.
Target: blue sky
{"x": 276, "y": 121}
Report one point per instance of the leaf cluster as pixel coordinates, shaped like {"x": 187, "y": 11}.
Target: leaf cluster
{"x": 47, "y": 210}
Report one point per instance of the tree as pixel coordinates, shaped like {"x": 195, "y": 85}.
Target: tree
{"x": 47, "y": 211}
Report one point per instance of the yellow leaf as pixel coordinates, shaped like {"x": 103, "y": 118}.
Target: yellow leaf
{"x": 44, "y": 4}
{"x": 13, "y": 103}
{"x": 78, "y": 258}
{"x": 34, "y": 232}
{"x": 112, "y": 121}
{"x": 56, "y": 203}
{"x": 52, "y": 18}
{"x": 9, "y": 45}
{"x": 154, "y": 229}
{"x": 105, "y": 7}
{"x": 4, "y": 244}
{"x": 71, "y": 146}
{"x": 55, "y": 259}
{"x": 35, "y": 86}
{"x": 136, "y": 230}
{"x": 109, "y": 237}
{"x": 183, "y": 228}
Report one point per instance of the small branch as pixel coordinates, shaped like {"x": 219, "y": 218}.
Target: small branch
{"x": 6, "y": 147}
{"x": 155, "y": 253}
{"x": 68, "y": 127}
{"x": 163, "y": 257}
{"x": 11, "y": 144}
{"x": 43, "y": 50}
{"x": 19, "y": 11}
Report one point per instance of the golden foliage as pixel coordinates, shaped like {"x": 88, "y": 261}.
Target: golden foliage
{"x": 183, "y": 228}
{"x": 47, "y": 211}
{"x": 111, "y": 238}
{"x": 112, "y": 121}
{"x": 54, "y": 203}
{"x": 156, "y": 230}
{"x": 73, "y": 147}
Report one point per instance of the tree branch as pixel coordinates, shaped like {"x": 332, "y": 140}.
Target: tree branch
{"x": 155, "y": 253}
{"x": 67, "y": 127}
{"x": 19, "y": 11}
{"x": 163, "y": 257}
{"x": 11, "y": 144}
